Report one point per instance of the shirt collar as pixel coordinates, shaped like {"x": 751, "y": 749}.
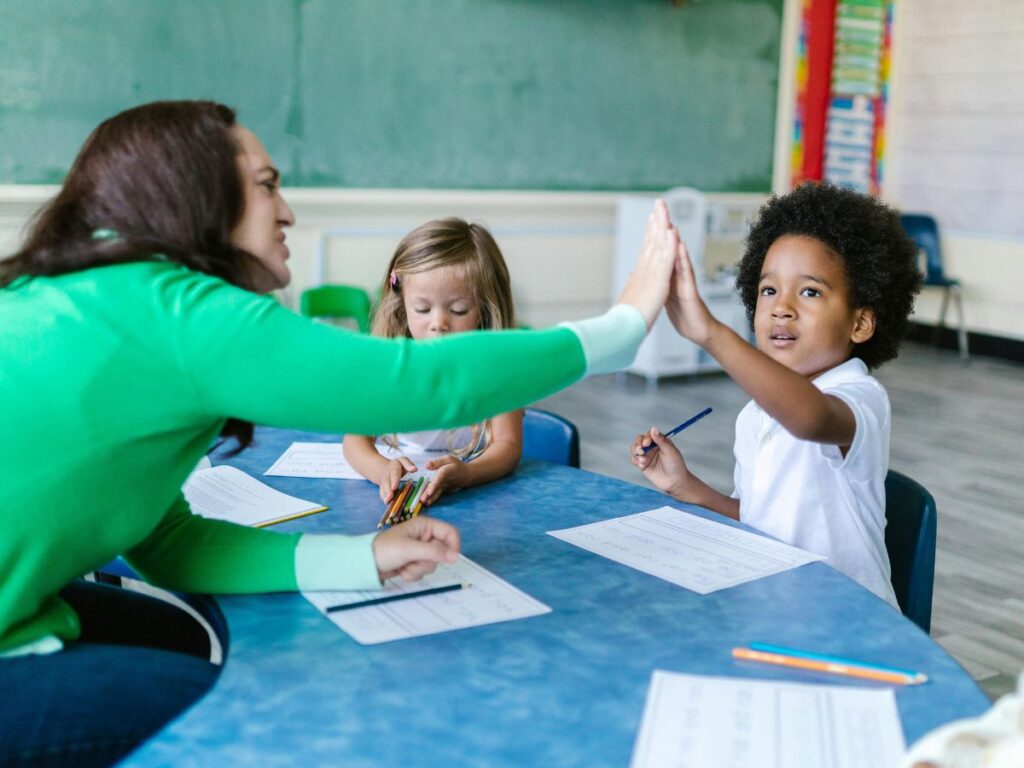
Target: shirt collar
{"x": 851, "y": 370}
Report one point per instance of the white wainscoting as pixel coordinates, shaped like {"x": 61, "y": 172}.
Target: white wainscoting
{"x": 559, "y": 245}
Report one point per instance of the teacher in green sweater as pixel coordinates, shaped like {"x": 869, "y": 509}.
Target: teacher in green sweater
{"x": 135, "y": 329}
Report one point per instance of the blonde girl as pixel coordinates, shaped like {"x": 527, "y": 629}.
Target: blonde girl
{"x": 446, "y": 276}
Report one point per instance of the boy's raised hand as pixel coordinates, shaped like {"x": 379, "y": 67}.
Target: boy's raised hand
{"x": 648, "y": 284}
{"x": 685, "y": 307}
{"x": 663, "y": 464}
{"x": 414, "y": 548}
{"x": 390, "y": 476}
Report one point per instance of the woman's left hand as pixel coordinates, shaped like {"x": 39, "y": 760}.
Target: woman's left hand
{"x": 449, "y": 475}
{"x": 414, "y": 548}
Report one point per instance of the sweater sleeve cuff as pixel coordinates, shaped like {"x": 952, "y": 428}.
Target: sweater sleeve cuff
{"x": 332, "y": 561}
{"x": 610, "y": 342}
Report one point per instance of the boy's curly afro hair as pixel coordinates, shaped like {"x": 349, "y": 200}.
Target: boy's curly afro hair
{"x": 880, "y": 259}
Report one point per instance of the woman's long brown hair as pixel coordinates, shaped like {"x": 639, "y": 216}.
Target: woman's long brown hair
{"x": 163, "y": 179}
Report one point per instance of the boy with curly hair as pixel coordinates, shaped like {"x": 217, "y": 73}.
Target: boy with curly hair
{"x": 828, "y": 280}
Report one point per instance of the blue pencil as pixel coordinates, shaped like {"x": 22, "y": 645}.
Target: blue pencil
{"x": 768, "y": 648}
{"x": 689, "y": 422}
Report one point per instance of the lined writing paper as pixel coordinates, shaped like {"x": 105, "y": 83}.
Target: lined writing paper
{"x": 687, "y": 550}
{"x": 698, "y": 721}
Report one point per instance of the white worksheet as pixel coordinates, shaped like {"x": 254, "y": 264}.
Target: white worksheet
{"x": 226, "y": 493}
{"x": 693, "y": 721}
{"x": 318, "y": 460}
{"x": 327, "y": 460}
{"x": 687, "y": 550}
{"x": 486, "y": 600}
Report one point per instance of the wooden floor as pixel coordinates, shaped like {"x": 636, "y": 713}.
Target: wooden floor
{"x": 958, "y": 429}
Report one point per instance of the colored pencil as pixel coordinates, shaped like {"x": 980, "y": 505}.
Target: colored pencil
{"x": 688, "y": 423}
{"x": 396, "y": 510}
{"x": 389, "y": 511}
{"x": 393, "y": 598}
{"x": 833, "y": 665}
{"x": 389, "y": 506}
{"x": 417, "y": 502}
{"x": 407, "y": 507}
{"x": 768, "y": 648}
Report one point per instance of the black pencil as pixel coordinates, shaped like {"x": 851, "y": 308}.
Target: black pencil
{"x": 393, "y": 598}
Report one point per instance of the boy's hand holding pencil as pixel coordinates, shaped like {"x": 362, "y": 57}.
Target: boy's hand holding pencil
{"x": 664, "y": 467}
{"x": 661, "y": 461}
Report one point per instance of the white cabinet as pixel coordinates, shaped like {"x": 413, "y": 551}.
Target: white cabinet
{"x": 664, "y": 352}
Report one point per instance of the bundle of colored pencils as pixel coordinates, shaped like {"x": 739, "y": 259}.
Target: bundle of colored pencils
{"x": 405, "y": 505}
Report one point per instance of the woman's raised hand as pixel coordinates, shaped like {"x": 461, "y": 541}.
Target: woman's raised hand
{"x": 648, "y": 284}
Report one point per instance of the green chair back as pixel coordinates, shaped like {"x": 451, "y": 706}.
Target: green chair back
{"x": 337, "y": 301}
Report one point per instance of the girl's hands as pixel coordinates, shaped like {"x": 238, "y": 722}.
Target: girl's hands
{"x": 449, "y": 475}
{"x": 663, "y": 465}
{"x": 648, "y": 284}
{"x": 391, "y": 474}
{"x": 414, "y": 548}
{"x": 685, "y": 307}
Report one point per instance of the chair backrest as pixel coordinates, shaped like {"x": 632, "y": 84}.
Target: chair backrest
{"x": 550, "y": 437}
{"x": 910, "y": 518}
{"x": 924, "y": 231}
{"x": 337, "y": 301}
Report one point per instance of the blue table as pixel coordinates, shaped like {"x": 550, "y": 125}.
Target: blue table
{"x": 565, "y": 689}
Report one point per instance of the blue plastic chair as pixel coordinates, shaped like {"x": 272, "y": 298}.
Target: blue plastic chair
{"x": 910, "y": 518}
{"x": 550, "y": 437}
{"x": 924, "y": 231}
{"x": 339, "y": 301}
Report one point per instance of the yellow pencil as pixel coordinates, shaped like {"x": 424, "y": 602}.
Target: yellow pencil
{"x": 849, "y": 668}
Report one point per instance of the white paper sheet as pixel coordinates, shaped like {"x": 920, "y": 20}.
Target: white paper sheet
{"x": 319, "y": 460}
{"x": 487, "y": 600}
{"x": 227, "y": 493}
{"x": 327, "y": 460}
{"x": 692, "y": 721}
{"x": 687, "y": 550}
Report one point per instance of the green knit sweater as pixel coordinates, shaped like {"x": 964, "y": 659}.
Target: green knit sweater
{"x": 115, "y": 380}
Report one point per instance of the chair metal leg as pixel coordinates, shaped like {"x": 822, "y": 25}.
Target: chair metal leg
{"x": 941, "y": 322}
{"x": 944, "y": 307}
{"x": 962, "y": 332}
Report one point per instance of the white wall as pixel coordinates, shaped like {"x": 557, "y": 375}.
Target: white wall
{"x": 942, "y": 77}
{"x": 559, "y": 245}
{"x": 989, "y": 265}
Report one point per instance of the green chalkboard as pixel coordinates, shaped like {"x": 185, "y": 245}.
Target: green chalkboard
{"x": 490, "y": 94}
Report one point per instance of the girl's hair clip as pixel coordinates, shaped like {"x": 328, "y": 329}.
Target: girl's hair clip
{"x": 393, "y": 279}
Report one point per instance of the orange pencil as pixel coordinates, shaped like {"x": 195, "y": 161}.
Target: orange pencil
{"x": 390, "y": 506}
{"x": 399, "y": 503}
{"x": 848, "y": 668}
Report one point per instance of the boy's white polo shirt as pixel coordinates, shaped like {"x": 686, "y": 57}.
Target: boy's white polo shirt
{"x": 808, "y": 495}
